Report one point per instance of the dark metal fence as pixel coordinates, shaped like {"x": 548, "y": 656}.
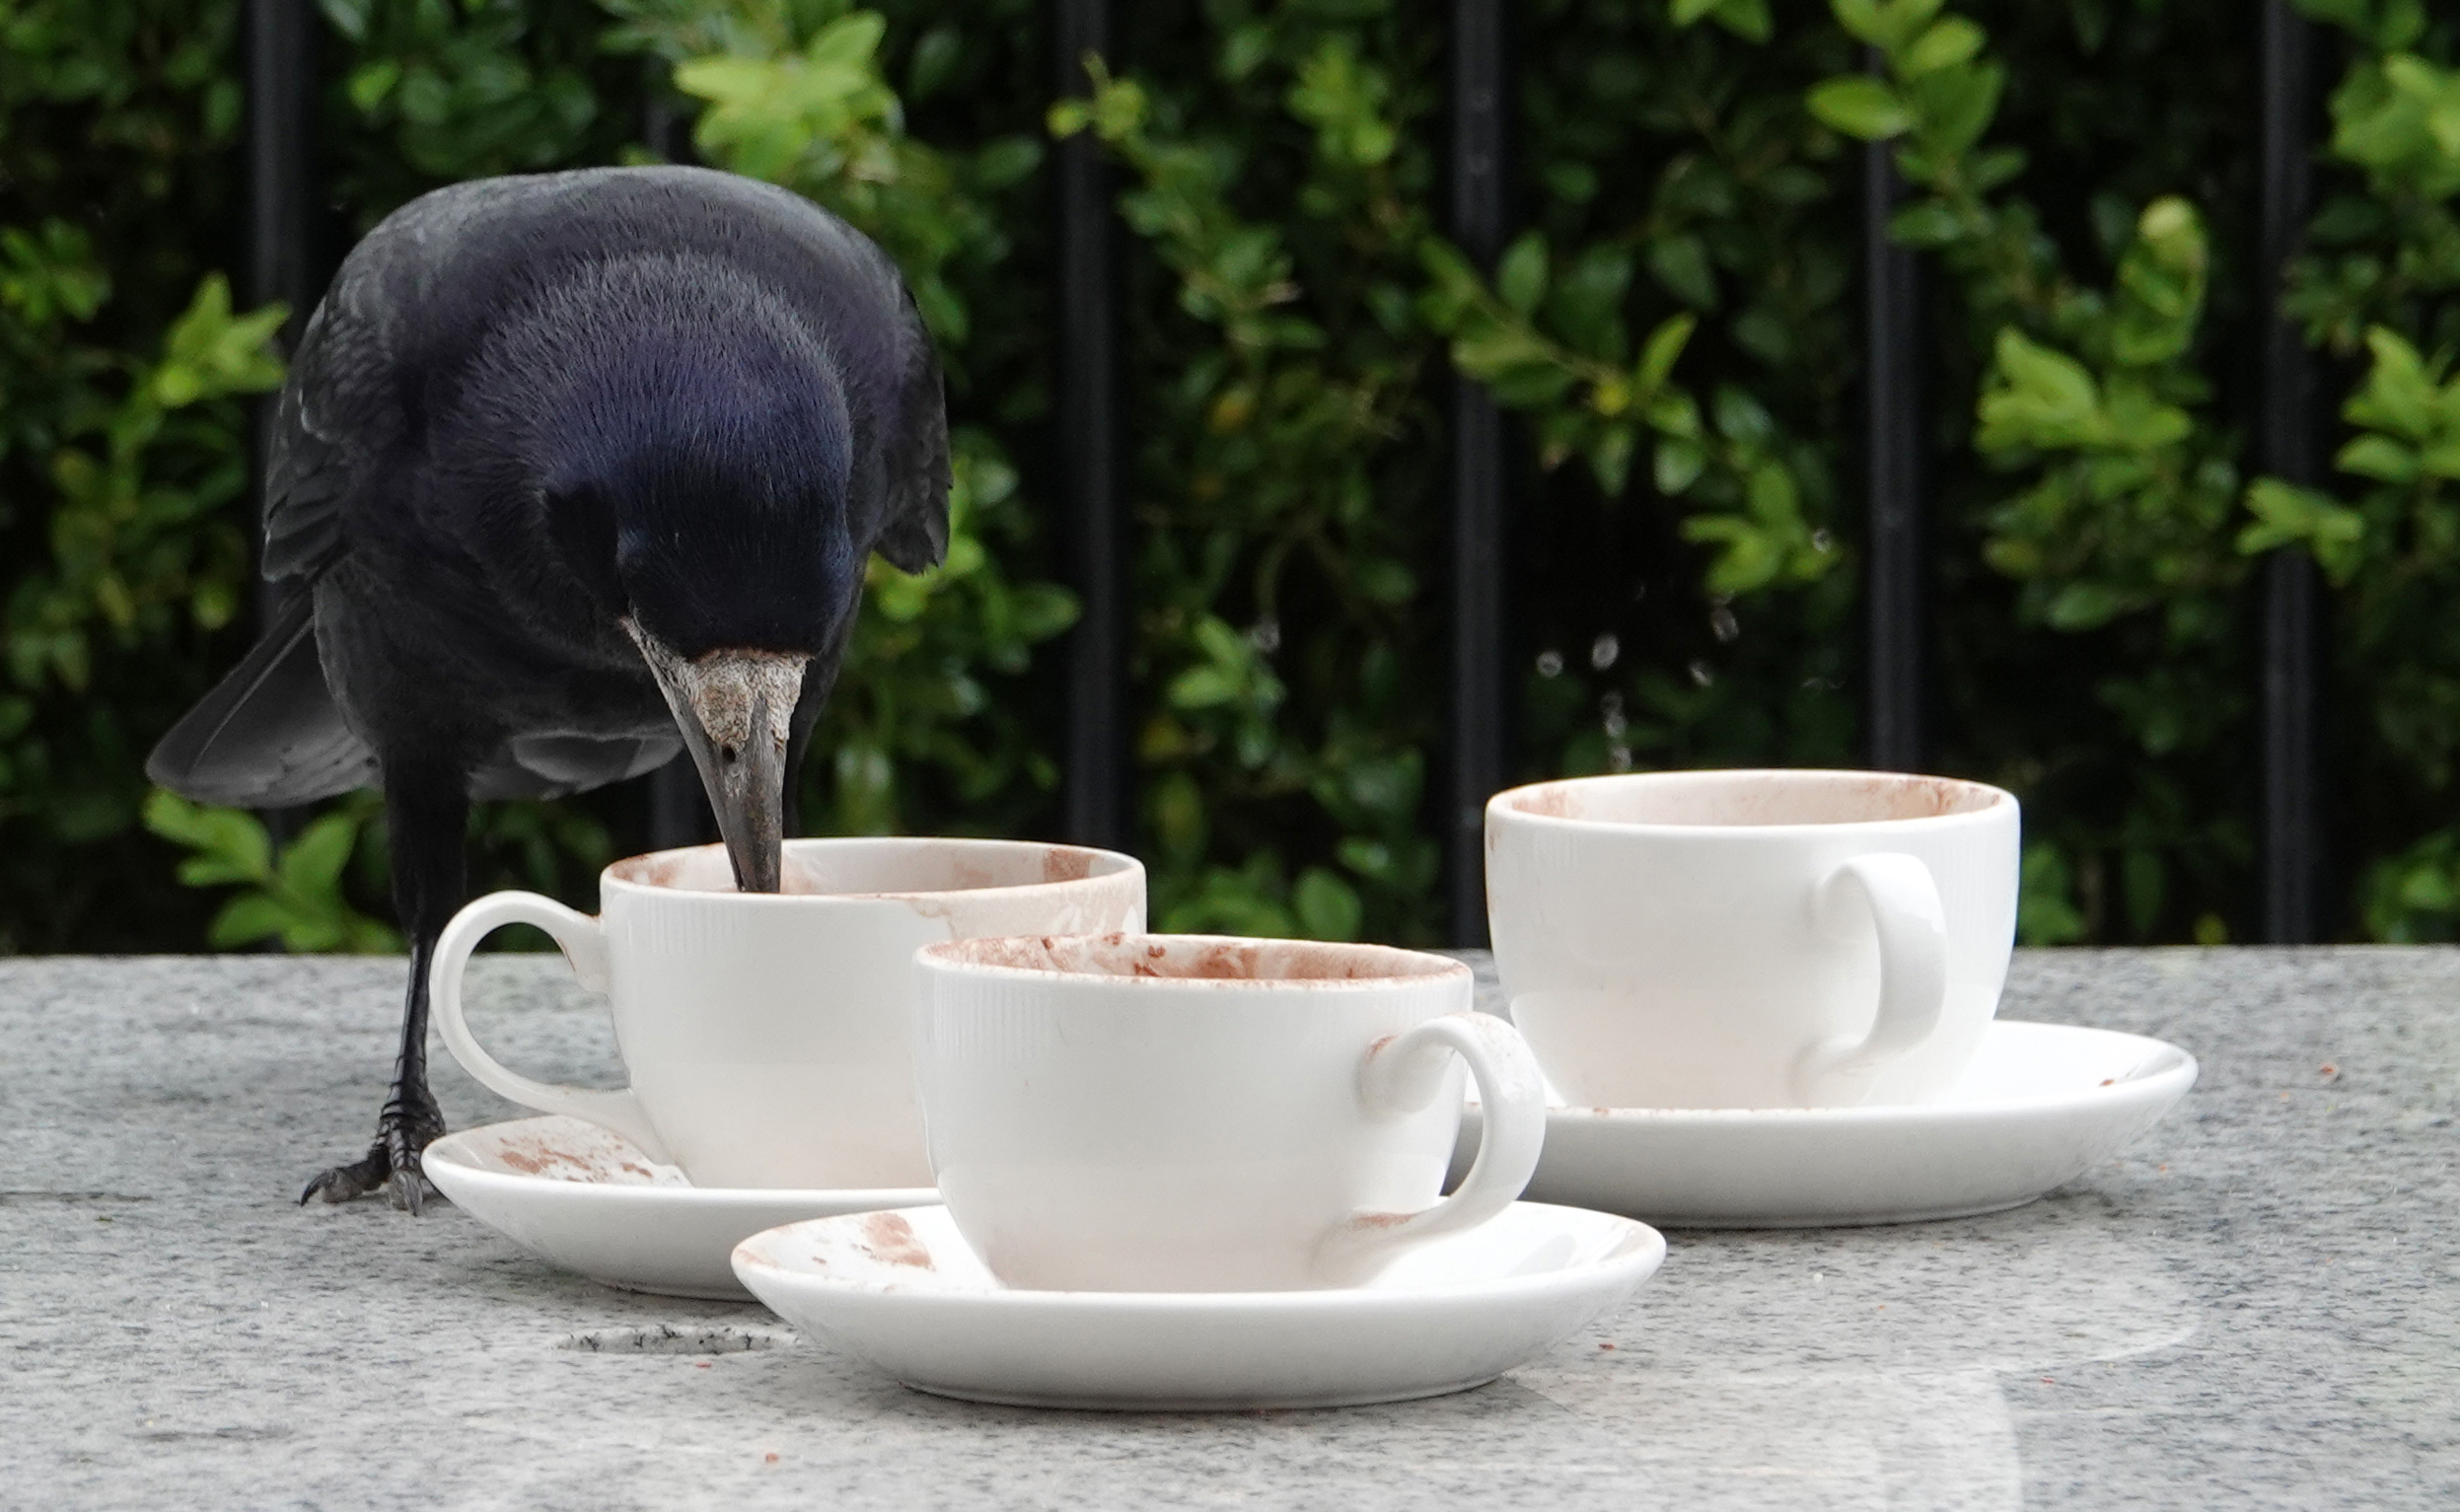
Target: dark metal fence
{"x": 283, "y": 264}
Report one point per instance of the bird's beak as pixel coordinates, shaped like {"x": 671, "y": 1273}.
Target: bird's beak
{"x": 736, "y": 710}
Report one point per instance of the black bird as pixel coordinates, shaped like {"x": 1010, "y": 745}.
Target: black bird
{"x": 571, "y": 470}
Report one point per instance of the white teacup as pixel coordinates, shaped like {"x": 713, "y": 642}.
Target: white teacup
{"x": 767, "y": 1035}
{"x": 1752, "y": 939}
{"x": 1188, "y": 1113}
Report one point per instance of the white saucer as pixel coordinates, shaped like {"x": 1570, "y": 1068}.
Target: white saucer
{"x": 2040, "y": 1104}
{"x": 902, "y": 1291}
{"x": 580, "y": 1197}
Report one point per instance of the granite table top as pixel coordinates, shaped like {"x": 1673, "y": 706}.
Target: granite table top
{"x": 2254, "y": 1307}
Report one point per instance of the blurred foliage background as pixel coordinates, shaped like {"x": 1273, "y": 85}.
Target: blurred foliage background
{"x": 1677, "y": 330}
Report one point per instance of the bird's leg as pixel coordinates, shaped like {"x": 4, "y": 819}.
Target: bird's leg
{"x": 425, "y": 814}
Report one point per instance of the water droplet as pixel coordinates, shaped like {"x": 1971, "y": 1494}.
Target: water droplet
{"x": 1266, "y": 635}
{"x": 1604, "y": 650}
{"x": 1823, "y": 543}
{"x": 1724, "y": 624}
{"x": 1550, "y": 663}
{"x": 1701, "y": 674}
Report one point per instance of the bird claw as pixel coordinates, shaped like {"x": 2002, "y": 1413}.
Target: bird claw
{"x": 409, "y": 1124}
{"x": 341, "y": 1183}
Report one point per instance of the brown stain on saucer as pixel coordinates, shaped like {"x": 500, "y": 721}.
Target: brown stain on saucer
{"x": 889, "y": 1238}
{"x": 522, "y": 1160}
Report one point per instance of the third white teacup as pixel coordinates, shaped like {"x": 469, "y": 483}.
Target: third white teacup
{"x": 766, "y": 1034}
{"x": 1188, "y": 1113}
{"x": 1752, "y": 939}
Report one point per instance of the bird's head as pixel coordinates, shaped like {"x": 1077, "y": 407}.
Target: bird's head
{"x": 700, "y": 487}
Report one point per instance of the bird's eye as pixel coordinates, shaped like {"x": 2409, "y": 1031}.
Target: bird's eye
{"x": 725, "y": 754}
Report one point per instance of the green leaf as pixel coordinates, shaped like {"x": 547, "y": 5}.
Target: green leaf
{"x": 1957, "y": 105}
{"x": 1521, "y": 273}
{"x": 1742, "y": 418}
{"x": 2287, "y": 515}
{"x": 1610, "y": 457}
{"x": 1861, "y": 106}
{"x": 1680, "y": 261}
{"x": 2085, "y": 606}
{"x": 246, "y": 919}
{"x": 1926, "y": 225}
{"x": 372, "y": 83}
{"x": 2399, "y": 395}
{"x": 1660, "y": 352}
{"x": 849, "y": 42}
{"x": 1679, "y": 465}
{"x": 2045, "y": 912}
{"x": 1746, "y": 18}
{"x": 1863, "y": 19}
{"x": 1202, "y": 687}
{"x": 2380, "y": 458}
{"x": 1950, "y": 42}
{"x": 2038, "y": 397}
{"x": 312, "y": 864}
{"x": 1327, "y": 907}
{"x": 232, "y": 840}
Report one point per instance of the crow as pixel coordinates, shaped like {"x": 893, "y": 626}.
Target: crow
{"x": 571, "y": 472}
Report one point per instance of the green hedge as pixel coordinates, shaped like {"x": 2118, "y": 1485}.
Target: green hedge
{"x": 1678, "y": 329}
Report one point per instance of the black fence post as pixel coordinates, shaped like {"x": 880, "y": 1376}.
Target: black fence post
{"x": 1479, "y": 717}
{"x": 1892, "y": 590}
{"x": 279, "y": 182}
{"x": 1097, "y": 800}
{"x": 2292, "y": 838}
{"x": 280, "y": 189}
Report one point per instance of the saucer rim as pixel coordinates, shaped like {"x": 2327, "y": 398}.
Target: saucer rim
{"x": 657, "y": 1192}
{"x": 1644, "y": 1257}
{"x": 2183, "y": 1071}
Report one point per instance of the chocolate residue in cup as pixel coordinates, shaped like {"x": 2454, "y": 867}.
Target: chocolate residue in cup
{"x": 1929, "y": 797}
{"x": 1555, "y": 800}
{"x": 1067, "y": 863}
{"x": 664, "y": 869}
{"x": 1196, "y": 957}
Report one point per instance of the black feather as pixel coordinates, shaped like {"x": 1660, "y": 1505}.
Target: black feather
{"x": 269, "y": 735}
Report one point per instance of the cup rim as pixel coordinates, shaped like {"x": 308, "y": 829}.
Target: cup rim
{"x": 1101, "y": 866}
{"x": 1504, "y": 807}
{"x": 959, "y": 958}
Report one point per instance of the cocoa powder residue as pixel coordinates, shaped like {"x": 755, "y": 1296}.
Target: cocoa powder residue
{"x": 891, "y": 1239}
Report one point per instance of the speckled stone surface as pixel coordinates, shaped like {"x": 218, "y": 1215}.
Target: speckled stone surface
{"x": 2255, "y": 1307}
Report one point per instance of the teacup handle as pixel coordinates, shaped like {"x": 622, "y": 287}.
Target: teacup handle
{"x": 1401, "y": 1075}
{"x": 584, "y": 944}
{"x": 1897, "y": 895}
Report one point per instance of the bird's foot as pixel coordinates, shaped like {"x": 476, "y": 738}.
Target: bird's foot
{"x": 409, "y": 1123}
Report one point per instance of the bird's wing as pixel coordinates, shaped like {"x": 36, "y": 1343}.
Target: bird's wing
{"x": 336, "y": 422}
{"x": 914, "y": 536}
{"x": 269, "y": 735}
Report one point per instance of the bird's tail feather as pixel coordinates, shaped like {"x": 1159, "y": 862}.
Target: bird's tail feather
{"x": 269, "y": 735}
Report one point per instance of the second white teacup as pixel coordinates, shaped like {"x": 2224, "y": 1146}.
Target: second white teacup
{"x": 1752, "y": 939}
{"x": 1189, "y": 1112}
{"x": 766, "y": 1034}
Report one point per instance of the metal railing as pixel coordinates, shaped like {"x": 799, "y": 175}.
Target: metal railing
{"x": 1098, "y": 806}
